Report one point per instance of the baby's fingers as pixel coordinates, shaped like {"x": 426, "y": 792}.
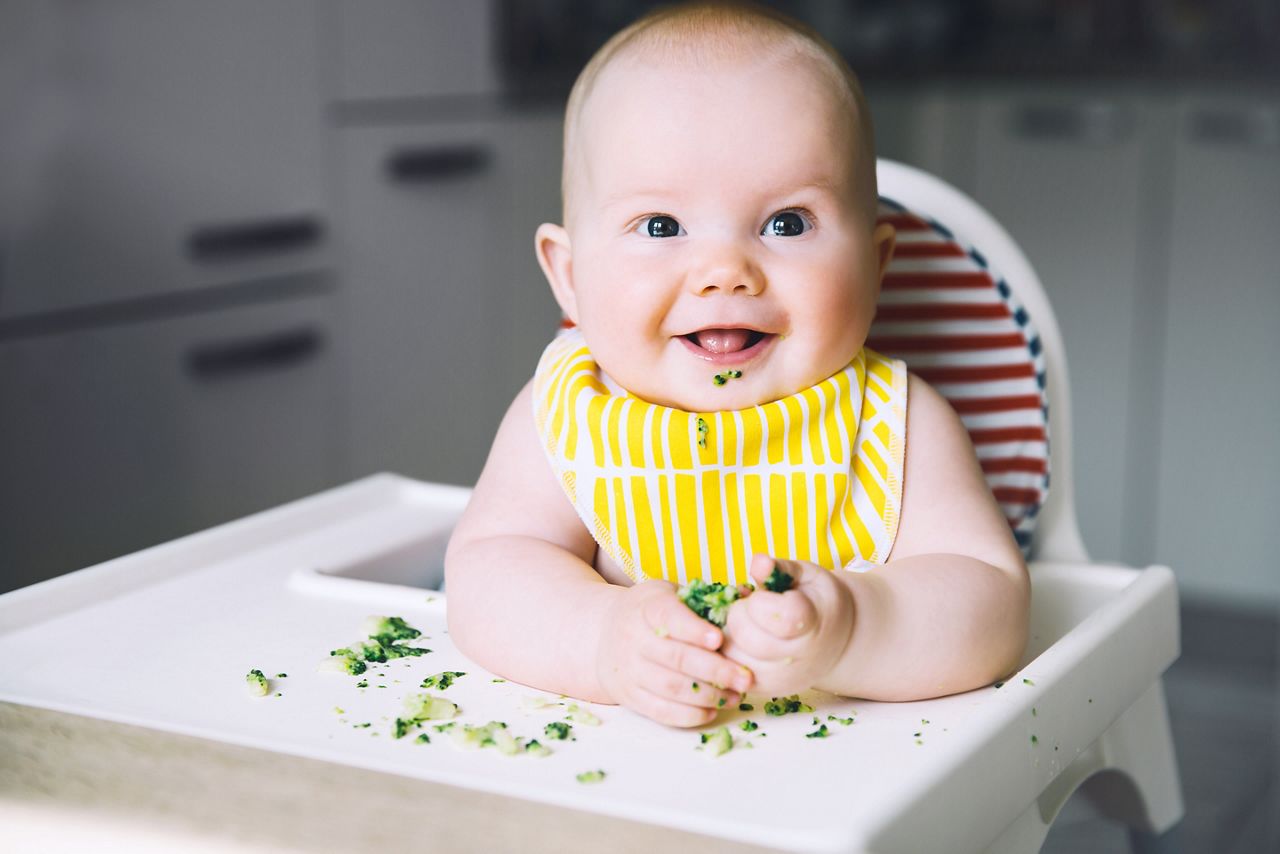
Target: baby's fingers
{"x": 783, "y": 615}
{"x": 698, "y": 665}
{"x": 667, "y": 616}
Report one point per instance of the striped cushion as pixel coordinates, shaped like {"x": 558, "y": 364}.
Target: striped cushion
{"x": 954, "y": 321}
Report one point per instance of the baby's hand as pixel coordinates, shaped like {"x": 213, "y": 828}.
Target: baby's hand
{"x": 658, "y": 658}
{"x": 790, "y": 640}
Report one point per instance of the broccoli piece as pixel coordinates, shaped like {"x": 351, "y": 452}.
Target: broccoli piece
{"x": 256, "y": 682}
{"x": 385, "y": 630}
{"x": 557, "y": 730}
{"x": 344, "y": 662}
{"x": 749, "y": 726}
{"x": 709, "y": 600}
{"x": 423, "y": 738}
{"x": 820, "y": 732}
{"x": 778, "y": 581}
{"x": 786, "y": 705}
{"x": 718, "y": 741}
{"x": 746, "y": 707}
{"x": 402, "y": 727}
{"x": 579, "y": 715}
{"x": 442, "y": 680}
{"x": 424, "y": 707}
{"x": 596, "y": 776}
{"x": 495, "y": 734}
{"x": 841, "y": 721}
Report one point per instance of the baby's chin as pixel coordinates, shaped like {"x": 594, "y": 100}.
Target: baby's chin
{"x": 733, "y": 394}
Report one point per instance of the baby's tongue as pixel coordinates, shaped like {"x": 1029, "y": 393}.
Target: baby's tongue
{"x": 722, "y": 340}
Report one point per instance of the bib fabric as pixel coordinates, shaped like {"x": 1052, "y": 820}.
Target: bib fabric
{"x": 678, "y": 495}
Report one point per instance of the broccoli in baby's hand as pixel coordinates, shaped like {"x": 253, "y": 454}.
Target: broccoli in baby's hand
{"x": 778, "y": 581}
{"x": 710, "y": 600}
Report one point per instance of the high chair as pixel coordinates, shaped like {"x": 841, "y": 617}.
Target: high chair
{"x": 1128, "y": 769}
{"x": 122, "y": 686}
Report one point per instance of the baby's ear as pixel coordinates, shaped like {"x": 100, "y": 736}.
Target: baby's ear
{"x": 884, "y": 237}
{"x": 555, "y": 256}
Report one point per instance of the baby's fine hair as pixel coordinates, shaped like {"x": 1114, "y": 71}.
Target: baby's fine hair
{"x": 725, "y": 31}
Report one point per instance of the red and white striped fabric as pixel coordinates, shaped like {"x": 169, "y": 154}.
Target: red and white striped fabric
{"x": 956, "y": 324}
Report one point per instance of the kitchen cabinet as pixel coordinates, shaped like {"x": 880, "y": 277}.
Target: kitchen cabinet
{"x": 120, "y": 436}
{"x": 446, "y": 309}
{"x": 1219, "y": 461}
{"x": 390, "y": 49}
{"x": 156, "y": 147}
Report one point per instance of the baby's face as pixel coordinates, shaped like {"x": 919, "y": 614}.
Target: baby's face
{"x": 715, "y": 228}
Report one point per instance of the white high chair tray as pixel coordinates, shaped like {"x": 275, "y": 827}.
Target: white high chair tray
{"x": 163, "y": 638}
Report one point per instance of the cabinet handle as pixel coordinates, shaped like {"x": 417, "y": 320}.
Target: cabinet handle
{"x": 422, "y": 165}
{"x": 236, "y": 357}
{"x": 1247, "y": 128}
{"x": 243, "y": 240}
{"x": 1088, "y": 123}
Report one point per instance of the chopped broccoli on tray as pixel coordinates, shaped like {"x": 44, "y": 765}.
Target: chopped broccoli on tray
{"x": 710, "y": 600}
{"x": 389, "y": 629}
{"x": 787, "y": 705}
{"x": 256, "y": 682}
{"x": 442, "y": 680}
{"x": 557, "y": 730}
{"x": 718, "y": 741}
{"x": 596, "y": 776}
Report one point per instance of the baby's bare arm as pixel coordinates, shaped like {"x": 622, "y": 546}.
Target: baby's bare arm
{"x": 948, "y": 612}
{"x": 523, "y": 598}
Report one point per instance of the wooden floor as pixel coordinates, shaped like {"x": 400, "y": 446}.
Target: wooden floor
{"x": 1224, "y": 706}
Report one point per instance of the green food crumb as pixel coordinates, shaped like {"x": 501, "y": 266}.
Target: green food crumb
{"x": 579, "y": 715}
{"x": 820, "y": 732}
{"x": 596, "y": 776}
{"x": 841, "y": 721}
{"x": 749, "y": 726}
{"x": 746, "y": 707}
{"x": 1033, "y": 711}
{"x": 710, "y": 600}
{"x": 389, "y": 629}
{"x": 786, "y": 705}
{"x": 558, "y": 730}
{"x": 363, "y": 683}
{"x": 423, "y": 738}
{"x": 256, "y": 683}
{"x": 497, "y": 680}
{"x": 444, "y": 727}
{"x": 1034, "y": 740}
{"x": 442, "y": 680}
{"x": 695, "y": 687}
{"x": 402, "y": 727}
{"x": 703, "y": 430}
{"x": 282, "y": 675}
{"x": 338, "y": 710}
{"x": 424, "y": 707}
{"x": 1027, "y": 682}
{"x": 717, "y": 742}
{"x": 719, "y": 379}
{"x": 364, "y": 725}
{"x": 778, "y": 581}
{"x": 720, "y": 703}
{"x": 998, "y": 685}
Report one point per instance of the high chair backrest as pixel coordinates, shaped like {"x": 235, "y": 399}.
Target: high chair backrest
{"x": 963, "y": 307}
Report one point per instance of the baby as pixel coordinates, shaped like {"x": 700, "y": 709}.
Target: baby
{"x": 714, "y": 414}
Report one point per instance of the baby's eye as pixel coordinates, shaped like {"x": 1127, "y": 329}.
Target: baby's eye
{"x": 787, "y": 224}
{"x": 661, "y": 225}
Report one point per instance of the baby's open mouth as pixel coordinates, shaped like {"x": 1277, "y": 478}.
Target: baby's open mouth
{"x": 720, "y": 341}
{"x": 727, "y": 345}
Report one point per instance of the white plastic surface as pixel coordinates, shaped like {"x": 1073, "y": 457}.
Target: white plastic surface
{"x": 163, "y": 639}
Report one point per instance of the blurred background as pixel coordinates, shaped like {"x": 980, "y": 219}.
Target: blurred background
{"x": 249, "y": 251}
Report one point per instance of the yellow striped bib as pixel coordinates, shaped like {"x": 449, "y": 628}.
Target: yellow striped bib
{"x": 678, "y": 495}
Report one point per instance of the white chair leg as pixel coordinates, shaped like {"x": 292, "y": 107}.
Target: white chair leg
{"x": 1140, "y": 787}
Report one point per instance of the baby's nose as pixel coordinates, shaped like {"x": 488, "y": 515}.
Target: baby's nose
{"x": 727, "y": 272}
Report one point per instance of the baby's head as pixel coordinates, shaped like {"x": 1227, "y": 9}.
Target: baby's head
{"x": 719, "y": 209}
